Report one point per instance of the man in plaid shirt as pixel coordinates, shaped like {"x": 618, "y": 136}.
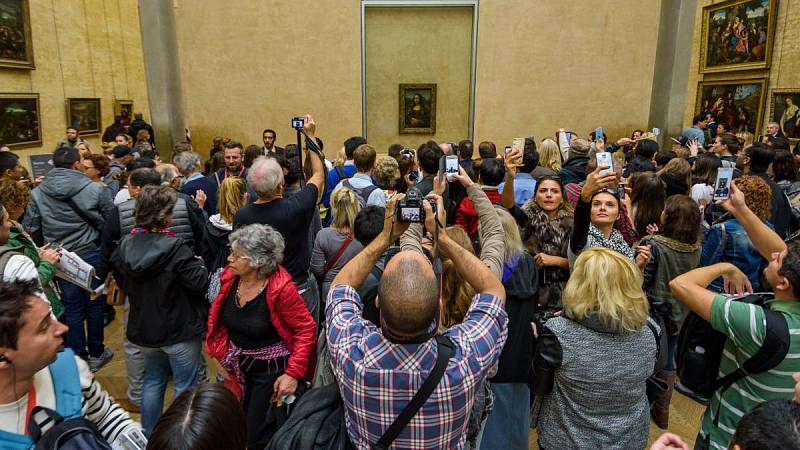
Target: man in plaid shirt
{"x": 380, "y": 369}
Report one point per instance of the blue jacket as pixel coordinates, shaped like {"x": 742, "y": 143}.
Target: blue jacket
{"x": 737, "y": 249}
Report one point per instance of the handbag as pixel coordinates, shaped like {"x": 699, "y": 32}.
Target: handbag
{"x": 655, "y": 386}
{"x": 115, "y": 295}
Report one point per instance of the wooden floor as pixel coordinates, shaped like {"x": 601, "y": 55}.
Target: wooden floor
{"x": 684, "y": 413}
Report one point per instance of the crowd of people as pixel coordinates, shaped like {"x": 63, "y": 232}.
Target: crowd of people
{"x": 371, "y": 301}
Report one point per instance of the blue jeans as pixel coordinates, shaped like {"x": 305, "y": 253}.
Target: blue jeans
{"x": 507, "y": 424}
{"x": 79, "y": 309}
{"x": 183, "y": 360}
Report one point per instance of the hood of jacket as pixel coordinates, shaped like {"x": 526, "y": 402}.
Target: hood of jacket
{"x": 576, "y": 162}
{"x": 147, "y": 252}
{"x": 595, "y": 323}
{"x": 63, "y": 184}
{"x": 217, "y": 228}
{"x": 677, "y": 246}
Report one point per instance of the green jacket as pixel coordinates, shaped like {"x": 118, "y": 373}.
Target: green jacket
{"x": 47, "y": 272}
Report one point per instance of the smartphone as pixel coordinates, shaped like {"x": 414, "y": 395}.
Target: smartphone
{"x": 598, "y": 134}
{"x": 722, "y": 188}
{"x": 605, "y": 159}
{"x": 621, "y": 190}
{"x": 518, "y": 144}
{"x": 451, "y": 167}
{"x": 656, "y": 131}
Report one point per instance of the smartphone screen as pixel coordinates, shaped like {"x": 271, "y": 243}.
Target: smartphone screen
{"x": 605, "y": 159}
{"x": 722, "y": 188}
{"x": 451, "y": 167}
{"x": 598, "y": 134}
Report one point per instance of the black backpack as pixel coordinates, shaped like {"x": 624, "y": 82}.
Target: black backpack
{"x": 64, "y": 434}
{"x": 700, "y": 350}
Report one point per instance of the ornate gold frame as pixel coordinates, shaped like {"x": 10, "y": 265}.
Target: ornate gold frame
{"x": 34, "y": 143}
{"x": 28, "y": 63}
{"x": 759, "y": 114}
{"x": 771, "y": 109}
{"x": 708, "y": 10}
{"x": 99, "y": 128}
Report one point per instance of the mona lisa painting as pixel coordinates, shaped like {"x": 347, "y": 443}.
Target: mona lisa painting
{"x": 418, "y": 108}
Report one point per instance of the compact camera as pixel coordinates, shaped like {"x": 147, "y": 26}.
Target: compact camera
{"x": 297, "y": 123}
{"x": 410, "y": 209}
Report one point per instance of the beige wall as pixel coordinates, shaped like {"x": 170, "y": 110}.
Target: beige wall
{"x": 784, "y": 71}
{"x": 543, "y": 65}
{"x": 88, "y": 48}
{"x": 247, "y": 65}
{"x": 399, "y": 50}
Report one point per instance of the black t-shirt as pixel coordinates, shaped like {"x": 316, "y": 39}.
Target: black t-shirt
{"x": 249, "y": 327}
{"x": 291, "y": 217}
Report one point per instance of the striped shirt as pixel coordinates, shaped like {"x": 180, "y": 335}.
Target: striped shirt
{"x": 745, "y": 326}
{"x": 98, "y": 407}
{"x": 377, "y": 378}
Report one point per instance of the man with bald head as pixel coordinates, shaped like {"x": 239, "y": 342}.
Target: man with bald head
{"x": 379, "y": 370}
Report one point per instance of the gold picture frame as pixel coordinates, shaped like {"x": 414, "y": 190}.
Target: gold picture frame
{"x": 124, "y": 110}
{"x": 737, "y": 35}
{"x": 737, "y": 103}
{"x": 17, "y": 45}
{"x": 417, "y": 112}
{"x": 20, "y": 120}
{"x": 84, "y": 114}
{"x": 778, "y": 107}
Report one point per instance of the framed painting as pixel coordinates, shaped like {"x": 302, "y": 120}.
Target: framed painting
{"x": 418, "y": 108}
{"x": 19, "y": 120}
{"x": 737, "y": 34}
{"x": 739, "y": 104}
{"x": 784, "y": 108}
{"x": 16, "y": 46}
{"x": 124, "y": 110}
{"x": 84, "y": 114}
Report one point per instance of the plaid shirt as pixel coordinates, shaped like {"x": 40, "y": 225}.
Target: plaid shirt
{"x": 377, "y": 378}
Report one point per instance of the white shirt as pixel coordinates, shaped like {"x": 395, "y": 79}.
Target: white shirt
{"x": 110, "y": 419}
{"x": 20, "y": 267}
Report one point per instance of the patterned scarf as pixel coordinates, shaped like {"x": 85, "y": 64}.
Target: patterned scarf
{"x": 542, "y": 235}
{"x": 615, "y": 242}
{"x": 167, "y": 231}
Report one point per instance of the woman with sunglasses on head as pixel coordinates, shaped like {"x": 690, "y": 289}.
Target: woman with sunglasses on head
{"x": 597, "y": 209}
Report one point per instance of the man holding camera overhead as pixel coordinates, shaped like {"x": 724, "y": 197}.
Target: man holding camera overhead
{"x": 288, "y": 215}
{"x": 379, "y": 370}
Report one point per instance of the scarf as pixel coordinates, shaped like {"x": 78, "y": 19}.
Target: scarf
{"x": 232, "y": 363}
{"x": 165, "y": 230}
{"x": 542, "y": 235}
{"x": 614, "y": 242}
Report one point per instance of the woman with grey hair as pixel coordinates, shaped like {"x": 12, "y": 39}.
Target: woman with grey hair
{"x": 165, "y": 283}
{"x": 260, "y": 330}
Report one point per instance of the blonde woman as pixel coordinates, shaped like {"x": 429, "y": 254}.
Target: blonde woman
{"x": 232, "y": 196}
{"x": 507, "y": 425}
{"x": 549, "y": 159}
{"x": 83, "y": 149}
{"x": 335, "y": 246}
{"x": 591, "y": 363}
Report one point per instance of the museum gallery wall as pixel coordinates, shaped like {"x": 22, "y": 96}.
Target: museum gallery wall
{"x": 67, "y": 64}
{"x": 746, "y": 65}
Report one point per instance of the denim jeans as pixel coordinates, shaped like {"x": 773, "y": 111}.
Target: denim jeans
{"x": 507, "y": 425}
{"x": 79, "y": 309}
{"x": 183, "y": 360}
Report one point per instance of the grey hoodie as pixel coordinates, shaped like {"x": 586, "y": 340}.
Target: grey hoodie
{"x": 50, "y": 214}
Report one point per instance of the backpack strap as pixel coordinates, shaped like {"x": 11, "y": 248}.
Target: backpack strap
{"x": 445, "y": 350}
{"x": 338, "y": 255}
{"x": 340, "y": 171}
{"x": 772, "y": 352}
{"x": 67, "y": 385}
{"x": 656, "y": 335}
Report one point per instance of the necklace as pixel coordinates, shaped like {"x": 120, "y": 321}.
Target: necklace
{"x": 238, "y": 290}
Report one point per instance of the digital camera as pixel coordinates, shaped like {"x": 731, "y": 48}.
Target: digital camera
{"x": 410, "y": 209}
{"x": 297, "y": 123}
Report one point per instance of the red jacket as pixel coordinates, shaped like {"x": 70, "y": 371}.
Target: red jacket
{"x": 289, "y": 316}
{"x": 467, "y": 217}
